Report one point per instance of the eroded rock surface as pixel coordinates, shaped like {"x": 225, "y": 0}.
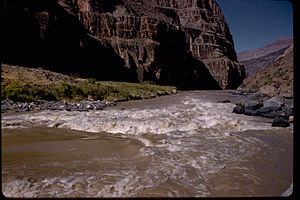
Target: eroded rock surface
{"x": 178, "y": 42}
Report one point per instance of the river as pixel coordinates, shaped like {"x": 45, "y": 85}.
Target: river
{"x": 183, "y": 145}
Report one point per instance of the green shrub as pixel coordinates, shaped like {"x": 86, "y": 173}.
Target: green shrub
{"x": 19, "y": 93}
{"x": 116, "y": 91}
{"x": 15, "y": 92}
{"x": 64, "y": 91}
{"x": 41, "y": 93}
{"x": 91, "y": 80}
{"x": 91, "y": 88}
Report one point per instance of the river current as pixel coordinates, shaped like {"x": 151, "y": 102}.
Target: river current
{"x": 184, "y": 145}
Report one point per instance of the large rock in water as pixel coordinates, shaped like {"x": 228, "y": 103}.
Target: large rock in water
{"x": 179, "y": 42}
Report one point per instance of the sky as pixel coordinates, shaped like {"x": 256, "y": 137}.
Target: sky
{"x": 256, "y": 23}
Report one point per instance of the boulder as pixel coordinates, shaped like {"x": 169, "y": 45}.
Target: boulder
{"x": 288, "y": 112}
{"x": 268, "y": 114}
{"x": 268, "y": 90}
{"x": 253, "y": 104}
{"x": 255, "y": 96}
{"x": 274, "y": 103}
{"x": 4, "y": 107}
{"x": 264, "y": 110}
{"x": 251, "y": 111}
{"x": 274, "y": 106}
{"x": 280, "y": 121}
{"x": 99, "y": 107}
{"x": 238, "y": 109}
{"x": 14, "y": 106}
{"x": 26, "y": 109}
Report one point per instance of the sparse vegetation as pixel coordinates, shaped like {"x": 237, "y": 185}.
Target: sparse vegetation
{"x": 255, "y": 87}
{"x": 97, "y": 90}
{"x": 29, "y": 84}
{"x": 18, "y": 93}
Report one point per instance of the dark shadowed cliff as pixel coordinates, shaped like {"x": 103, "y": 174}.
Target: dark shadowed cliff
{"x": 186, "y": 43}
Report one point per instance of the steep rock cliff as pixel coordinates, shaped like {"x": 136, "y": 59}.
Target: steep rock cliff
{"x": 180, "y": 42}
{"x": 44, "y": 34}
{"x": 156, "y": 37}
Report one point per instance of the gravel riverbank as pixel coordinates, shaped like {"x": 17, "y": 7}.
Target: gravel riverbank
{"x": 11, "y": 106}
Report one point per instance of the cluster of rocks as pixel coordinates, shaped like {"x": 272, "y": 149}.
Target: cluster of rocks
{"x": 54, "y": 105}
{"x": 256, "y": 104}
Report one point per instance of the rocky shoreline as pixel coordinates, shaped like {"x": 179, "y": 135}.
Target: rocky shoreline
{"x": 257, "y": 104}
{"x": 83, "y": 106}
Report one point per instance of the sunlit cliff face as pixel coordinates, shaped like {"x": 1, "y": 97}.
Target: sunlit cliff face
{"x": 182, "y": 43}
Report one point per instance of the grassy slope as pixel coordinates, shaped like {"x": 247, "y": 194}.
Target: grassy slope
{"x": 28, "y": 84}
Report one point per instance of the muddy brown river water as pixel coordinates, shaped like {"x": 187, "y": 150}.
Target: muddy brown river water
{"x": 184, "y": 145}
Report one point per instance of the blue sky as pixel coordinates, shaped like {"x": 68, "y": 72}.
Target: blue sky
{"x": 256, "y": 23}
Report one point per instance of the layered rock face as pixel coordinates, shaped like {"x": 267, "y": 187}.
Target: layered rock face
{"x": 157, "y": 36}
{"x": 178, "y": 42}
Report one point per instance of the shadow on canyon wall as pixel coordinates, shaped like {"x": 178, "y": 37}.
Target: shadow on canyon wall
{"x": 43, "y": 34}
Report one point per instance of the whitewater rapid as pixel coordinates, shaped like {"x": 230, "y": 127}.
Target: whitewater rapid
{"x": 185, "y": 145}
{"x": 187, "y": 116}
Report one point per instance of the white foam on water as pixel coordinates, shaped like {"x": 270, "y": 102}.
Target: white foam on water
{"x": 195, "y": 140}
{"x": 186, "y": 116}
{"x": 18, "y": 188}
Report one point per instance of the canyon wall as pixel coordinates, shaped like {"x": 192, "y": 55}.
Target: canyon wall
{"x": 186, "y": 43}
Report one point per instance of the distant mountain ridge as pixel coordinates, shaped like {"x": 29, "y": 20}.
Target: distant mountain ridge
{"x": 275, "y": 79}
{"x": 257, "y": 59}
{"x": 280, "y": 43}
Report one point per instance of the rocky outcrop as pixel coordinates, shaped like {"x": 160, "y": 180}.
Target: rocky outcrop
{"x": 276, "y": 79}
{"x": 256, "y": 60}
{"x": 257, "y": 104}
{"x": 178, "y": 42}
